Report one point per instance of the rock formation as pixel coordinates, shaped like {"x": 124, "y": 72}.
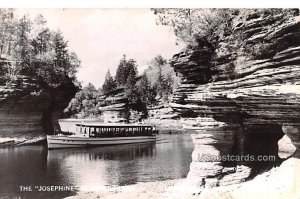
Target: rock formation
{"x": 114, "y": 109}
{"x": 241, "y": 95}
{"x": 31, "y": 108}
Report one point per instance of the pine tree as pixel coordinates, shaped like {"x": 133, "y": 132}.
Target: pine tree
{"x": 109, "y": 83}
{"x": 131, "y": 80}
{"x": 124, "y": 70}
{"x": 61, "y": 52}
{"x": 120, "y": 73}
{"x": 130, "y": 68}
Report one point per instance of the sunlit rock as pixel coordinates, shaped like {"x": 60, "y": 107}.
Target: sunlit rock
{"x": 285, "y": 147}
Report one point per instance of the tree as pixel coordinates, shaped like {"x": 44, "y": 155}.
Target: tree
{"x": 133, "y": 96}
{"x": 167, "y": 86}
{"x": 131, "y": 80}
{"x": 124, "y": 70}
{"x": 55, "y": 63}
{"x": 120, "y": 73}
{"x": 30, "y": 48}
{"x": 85, "y": 102}
{"x": 7, "y": 31}
{"x": 130, "y": 68}
{"x": 146, "y": 92}
{"x": 191, "y": 24}
{"x": 89, "y": 91}
{"x": 157, "y": 64}
{"x": 109, "y": 83}
{"x": 21, "y": 52}
{"x": 40, "y": 35}
{"x": 61, "y": 53}
{"x": 162, "y": 78}
{"x": 74, "y": 62}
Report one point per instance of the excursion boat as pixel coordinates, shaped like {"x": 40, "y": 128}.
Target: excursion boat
{"x": 90, "y": 135}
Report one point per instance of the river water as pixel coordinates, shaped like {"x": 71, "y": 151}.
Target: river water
{"x": 34, "y": 166}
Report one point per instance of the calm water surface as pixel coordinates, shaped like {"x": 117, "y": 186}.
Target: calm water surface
{"x": 168, "y": 158}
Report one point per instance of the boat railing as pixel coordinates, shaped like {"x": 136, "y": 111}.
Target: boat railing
{"x": 122, "y": 133}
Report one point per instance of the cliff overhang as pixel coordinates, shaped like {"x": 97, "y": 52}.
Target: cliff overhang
{"x": 241, "y": 96}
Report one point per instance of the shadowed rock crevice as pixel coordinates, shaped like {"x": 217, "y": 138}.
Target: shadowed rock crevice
{"x": 261, "y": 142}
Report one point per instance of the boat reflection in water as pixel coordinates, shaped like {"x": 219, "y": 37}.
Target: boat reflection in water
{"x": 124, "y": 164}
{"x": 109, "y": 165}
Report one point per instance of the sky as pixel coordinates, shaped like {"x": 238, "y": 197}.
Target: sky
{"x": 100, "y": 37}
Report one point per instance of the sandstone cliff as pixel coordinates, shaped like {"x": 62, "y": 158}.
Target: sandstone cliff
{"x": 30, "y": 108}
{"x": 114, "y": 108}
{"x": 241, "y": 94}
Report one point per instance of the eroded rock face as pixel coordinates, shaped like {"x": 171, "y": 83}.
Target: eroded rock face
{"x": 31, "y": 108}
{"x": 114, "y": 108}
{"x": 243, "y": 97}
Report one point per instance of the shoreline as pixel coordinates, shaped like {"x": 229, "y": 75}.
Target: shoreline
{"x": 157, "y": 189}
{"x": 6, "y": 142}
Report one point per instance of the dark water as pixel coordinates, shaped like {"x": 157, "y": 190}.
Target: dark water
{"x": 34, "y": 166}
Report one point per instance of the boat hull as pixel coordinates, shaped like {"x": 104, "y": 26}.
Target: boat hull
{"x": 56, "y": 142}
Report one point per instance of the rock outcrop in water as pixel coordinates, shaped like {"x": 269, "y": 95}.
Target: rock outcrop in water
{"x": 31, "y": 108}
{"x": 241, "y": 96}
{"x": 114, "y": 109}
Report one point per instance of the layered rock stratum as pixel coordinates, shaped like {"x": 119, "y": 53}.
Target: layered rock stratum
{"x": 114, "y": 109}
{"x": 241, "y": 95}
{"x": 30, "y": 108}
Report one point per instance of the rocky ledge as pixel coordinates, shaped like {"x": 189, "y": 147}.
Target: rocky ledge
{"x": 241, "y": 96}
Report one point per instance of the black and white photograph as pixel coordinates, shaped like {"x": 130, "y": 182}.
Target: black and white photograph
{"x": 175, "y": 103}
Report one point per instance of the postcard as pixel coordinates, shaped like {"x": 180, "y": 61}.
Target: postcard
{"x": 149, "y": 103}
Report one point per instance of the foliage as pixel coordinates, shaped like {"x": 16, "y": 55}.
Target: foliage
{"x": 126, "y": 77}
{"x": 191, "y": 24}
{"x": 85, "y": 103}
{"x": 147, "y": 92}
{"x": 30, "y": 48}
{"x": 162, "y": 80}
{"x": 109, "y": 83}
{"x": 156, "y": 84}
{"x": 124, "y": 70}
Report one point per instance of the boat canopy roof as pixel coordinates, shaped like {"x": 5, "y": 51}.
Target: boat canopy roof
{"x": 111, "y": 125}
